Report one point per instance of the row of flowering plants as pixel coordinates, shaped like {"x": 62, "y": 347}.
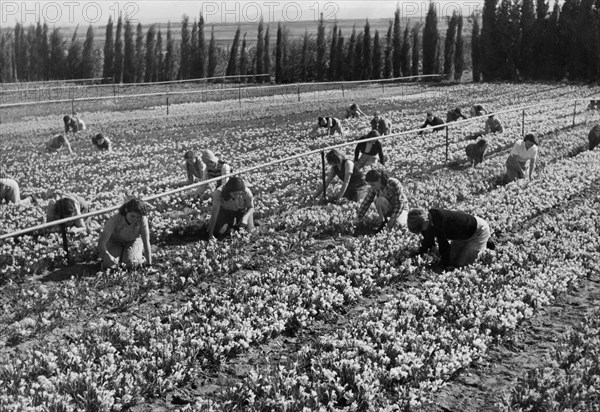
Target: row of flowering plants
{"x": 218, "y": 310}
{"x": 569, "y": 378}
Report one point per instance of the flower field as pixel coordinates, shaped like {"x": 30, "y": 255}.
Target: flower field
{"x": 368, "y": 326}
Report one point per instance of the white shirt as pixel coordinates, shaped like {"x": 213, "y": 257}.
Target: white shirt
{"x": 524, "y": 154}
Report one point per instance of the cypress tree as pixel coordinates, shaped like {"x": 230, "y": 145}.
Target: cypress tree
{"x": 397, "y": 45}
{"x": 232, "y": 67}
{"x": 267, "y": 62}
{"x": 321, "y": 50}
{"x": 212, "y": 54}
{"x": 45, "y": 53}
{"x": 201, "y": 48}
{"x": 340, "y": 54}
{"x": 35, "y": 62}
{"x": 74, "y": 58}
{"x": 367, "y": 58}
{"x": 416, "y": 49}
{"x": 243, "y": 59}
{"x": 108, "y": 70}
{"x": 476, "y": 49}
{"x": 459, "y": 55}
{"x": 160, "y": 64}
{"x": 260, "y": 51}
{"x": 186, "y": 50}
{"x": 6, "y": 58}
{"x": 431, "y": 54}
{"x": 437, "y": 66}
{"x": 358, "y": 57}
{"x": 527, "y": 39}
{"x": 508, "y": 30}
{"x": 139, "y": 54}
{"x": 170, "y": 57}
{"x": 376, "y": 74}
{"x": 406, "y": 52}
{"x": 350, "y": 60}
{"x": 57, "y": 55}
{"x": 194, "y": 52}
{"x": 333, "y": 64}
{"x": 449, "y": 48}
{"x": 118, "y": 64}
{"x": 387, "y": 68}
{"x": 488, "y": 44}
{"x": 129, "y": 54}
{"x": 304, "y": 62}
{"x": 87, "y": 58}
{"x": 151, "y": 63}
{"x": 279, "y": 55}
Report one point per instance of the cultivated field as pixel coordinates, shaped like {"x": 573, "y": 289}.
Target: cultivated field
{"x": 312, "y": 312}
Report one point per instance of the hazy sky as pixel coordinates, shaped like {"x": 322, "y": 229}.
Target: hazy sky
{"x": 67, "y": 12}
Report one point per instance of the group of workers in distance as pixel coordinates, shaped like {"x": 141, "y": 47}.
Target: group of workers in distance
{"x": 74, "y": 125}
{"x": 461, "y": 237}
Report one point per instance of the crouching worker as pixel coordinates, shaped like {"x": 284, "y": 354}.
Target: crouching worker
{"x": 332, "y": 125}
{"x": 523, "y": 151}
{"x": 73, "y": 123}
{"x": 68, "y": 205}
{"x": 233, "y": 208}
{"x": 353, "y": 187}
{"x": 102, "y": 143}
{"x": 454, "y": 115}
{"x": 57, "y": 143}
{"x": 390, "y": 200}
{"x": 476, "y": 152}
{"x": 461, "y": 237}
{"x": 126, "y": 237}
{"x": 368, "y": 150}
{"x": 353, "y": 111}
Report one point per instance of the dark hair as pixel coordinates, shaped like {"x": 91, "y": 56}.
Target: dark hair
{"x": 134, "y": 205}
{"x": 531, "y": 138}
{"x": 321, "y": 121}
{"x": 235, "y": 184}
{"x": 67, "y": 119}
{"x": 334, "y": 156}
{"x": 373, "y": 133}
{"x": 65, "y": 207}
{"x": 429, "y": 114}
{"x": 482, "y": 143}
{"x": 380, "y": 176}
{"x": 189, "y": 155}
{"x": 61, "y": 138}
{"x": 96, "y": 138}
{"x": 353, "y": 106}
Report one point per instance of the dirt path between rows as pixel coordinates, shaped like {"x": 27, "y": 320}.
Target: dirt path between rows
{"x": 482, "y": 386}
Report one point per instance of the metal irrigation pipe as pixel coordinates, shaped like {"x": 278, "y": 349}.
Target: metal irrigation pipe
{"x": 87, "y": 99}
{"x": 264, "y": 165}
{"x": 97, "y": 86}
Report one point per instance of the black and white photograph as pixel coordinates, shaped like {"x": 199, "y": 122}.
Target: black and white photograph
{"x": 297, "y": 206}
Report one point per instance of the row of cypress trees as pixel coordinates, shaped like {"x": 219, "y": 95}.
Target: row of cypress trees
{"x": 510, "y": 40}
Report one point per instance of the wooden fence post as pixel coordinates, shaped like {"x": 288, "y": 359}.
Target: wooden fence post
{"x": 167, "y": 105}
{"x": 523, "y": 124}
{"x": 574, "y": 112}
{"x": 323, "y": 174}
{"x": 65, "y": 242}
{"x": 447, "y": 143}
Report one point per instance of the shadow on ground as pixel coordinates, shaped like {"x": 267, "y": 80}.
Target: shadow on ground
{"x": 78, "y": 270}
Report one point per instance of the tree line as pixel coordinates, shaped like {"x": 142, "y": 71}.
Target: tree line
{"x": 510, "y": 40}
{"x": 132, "y": 55}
